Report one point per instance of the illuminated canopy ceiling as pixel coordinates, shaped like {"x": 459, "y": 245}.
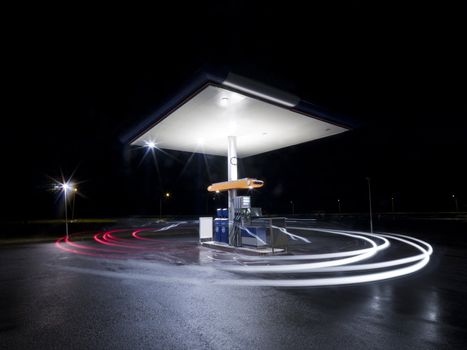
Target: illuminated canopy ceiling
{"x": 262, "y": 119}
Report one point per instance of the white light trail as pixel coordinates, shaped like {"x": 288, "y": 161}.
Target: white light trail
{"x": 330, "y": 281}
{"x": 252, "y": 234}
{"x": 420, "y": 261}
{"x": 291, "y": 235}
{"x": 360, "y": 235}
{"x": 343, "y": 263}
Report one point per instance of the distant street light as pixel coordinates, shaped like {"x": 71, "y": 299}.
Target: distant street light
{"x": 455, "y": 202}
{"x": 293, "y": 207}
{"x": 339, "y": 205}
{"x": 369, "y": 200}
{"x": 166, "y": 195}
{"x": 392, "y": 203}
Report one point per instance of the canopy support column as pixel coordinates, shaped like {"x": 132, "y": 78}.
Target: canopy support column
{"x": 232, "y": 175}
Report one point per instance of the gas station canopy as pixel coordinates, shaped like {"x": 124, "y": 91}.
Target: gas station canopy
{"x": 202, "y": 117}
{"x": 228, "y": 115}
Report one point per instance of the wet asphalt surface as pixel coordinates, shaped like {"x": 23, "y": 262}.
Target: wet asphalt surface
{"x": 54, "y": 299}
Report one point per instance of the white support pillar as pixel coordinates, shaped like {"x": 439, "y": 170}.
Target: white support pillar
{"x": 232, "y": 175}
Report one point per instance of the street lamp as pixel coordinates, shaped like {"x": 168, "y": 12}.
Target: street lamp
{"x": 339, "y": 205}
{"x": 369, "y": 200}
{"x": 66, "y": 187}
{"x": 293, "y": 207}
{"x": 75, "y": 190}
{"x": 392, "y": 203}
{"x": 455, "y": 202}
{"x": 166, "y": 195}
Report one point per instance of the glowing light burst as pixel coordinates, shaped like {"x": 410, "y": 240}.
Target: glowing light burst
{"x": 65, "y": 186}
{"x": 301, "y": 270}
{"x": 152, "y": 148}
{"x": 150, "y": 144}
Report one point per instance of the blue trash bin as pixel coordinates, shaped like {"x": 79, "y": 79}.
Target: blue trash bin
{"x": 217, "y": 230}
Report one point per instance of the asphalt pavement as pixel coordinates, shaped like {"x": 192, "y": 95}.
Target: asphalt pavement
{"x": 170, "y": 299}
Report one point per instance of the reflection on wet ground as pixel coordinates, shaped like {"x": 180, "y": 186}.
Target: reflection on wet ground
{"x": 329, "y": 253}
{"x": 162, "y": 290}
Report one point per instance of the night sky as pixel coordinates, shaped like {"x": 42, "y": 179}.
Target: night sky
{"x": 76, "y": 81}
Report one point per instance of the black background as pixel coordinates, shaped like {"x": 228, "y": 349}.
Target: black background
{"x": 75, "y": 79}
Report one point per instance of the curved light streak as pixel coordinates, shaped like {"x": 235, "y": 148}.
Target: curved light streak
{"x": 330, "y": 281}
{"x": 422, "y": 259}
{"x": 360, "y": 235}
{"x": 384, "y": 264}
{"x": 135, "y": 246}
{"x": 291, "y": 235}
{"x": 252, "y": 234}
{"x": 115, "y": 247}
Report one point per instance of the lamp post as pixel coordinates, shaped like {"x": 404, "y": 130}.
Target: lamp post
{"x": 166, "y": 195}
{"x": 293, "y": 207}
{"x": 392, "y": 203}
{"x": 339, "y": 205}
{"x": 66, "y": 216}
{"x": 65, "y": 188}
{"x": 456, "y": 203}
{"x": 369, "y": 202}
{"x": 152, "y": 146}
{"x": 75, "y": 189}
